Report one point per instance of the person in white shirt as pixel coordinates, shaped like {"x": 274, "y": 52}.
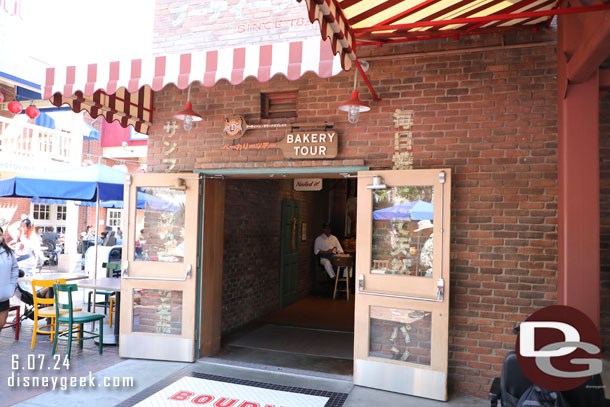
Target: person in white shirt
{"x": 29, "y": 247}
{"x": 326, "y": 245}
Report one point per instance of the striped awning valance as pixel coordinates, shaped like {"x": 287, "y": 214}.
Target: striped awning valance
{"x": 122, "y": 90}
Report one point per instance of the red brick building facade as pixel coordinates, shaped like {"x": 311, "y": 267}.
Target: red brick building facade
{"x": 490, "y": 115}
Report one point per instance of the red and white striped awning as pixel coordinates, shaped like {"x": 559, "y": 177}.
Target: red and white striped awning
{"x": 351, "y": 24}
{"x": 122, "y": 90}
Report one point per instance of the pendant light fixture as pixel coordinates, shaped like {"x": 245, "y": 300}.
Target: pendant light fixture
{"x": 188, "y": 115}
{"x": 354, "y": 105}
{"x": 15, "y": 107}
{"x": 32, "y": 111}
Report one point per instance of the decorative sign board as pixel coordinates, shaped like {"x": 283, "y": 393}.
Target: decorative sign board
{"x": 310, "y": 145}
{"x": 308, "y": 184}
{"x": 236, "y": 126}
{"x": 189, "y": 391}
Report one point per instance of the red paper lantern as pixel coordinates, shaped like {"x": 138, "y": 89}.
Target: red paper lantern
{"x": 32, "y": 112}
{"x": 15, "y": 107}
{"x": 1, "y": 97}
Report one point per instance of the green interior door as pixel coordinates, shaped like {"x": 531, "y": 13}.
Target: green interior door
{"x": 289, "y": 257}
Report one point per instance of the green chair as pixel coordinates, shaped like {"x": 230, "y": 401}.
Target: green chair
{"x": 64, "y": 302}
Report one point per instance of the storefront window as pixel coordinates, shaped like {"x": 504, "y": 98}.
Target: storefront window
{"x": 62, "y": 211}
{"x": 114, "y": 217}
{"x": 41, "y": 212}
{"x": 402, "y": 231}
{"x": 157, "y": 311}
{"x": 160, "y": 225}
{"x": 400, "y": 334}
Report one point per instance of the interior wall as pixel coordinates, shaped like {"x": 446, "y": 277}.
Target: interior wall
{"x": 251, "y": 271}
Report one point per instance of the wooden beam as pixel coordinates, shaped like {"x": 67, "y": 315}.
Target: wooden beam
{"x": 593, "y": 49}
{"x": 578, "y": 256}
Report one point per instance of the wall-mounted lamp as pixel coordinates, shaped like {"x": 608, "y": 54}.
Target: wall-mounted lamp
{"x": 188, "y": 115}
{"x": 354, "y": 105}
{"x": 378, "y": 183}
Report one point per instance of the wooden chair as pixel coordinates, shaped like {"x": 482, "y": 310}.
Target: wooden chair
{"x": 345, "y": 265}
{"x": 71, "y": 317}
{"x": 46, "y": 311}
{"x": 16, "y": 324}
{"x": 111, "y": 311}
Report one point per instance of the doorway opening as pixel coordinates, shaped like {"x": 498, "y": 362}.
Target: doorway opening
{"x": 277, "y": 300}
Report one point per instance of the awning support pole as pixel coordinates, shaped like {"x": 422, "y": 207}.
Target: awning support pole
{"x": 366, "y": 80}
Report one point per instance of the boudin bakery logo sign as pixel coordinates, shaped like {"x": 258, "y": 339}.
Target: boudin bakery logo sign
{"x": 235, "y": 126}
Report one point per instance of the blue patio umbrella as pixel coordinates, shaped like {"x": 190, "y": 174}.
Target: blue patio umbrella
{"x": 416, "y": 210}
{"x": 145, "y": 201}
{"x": 75, "y": 184}
{"x": 95, "y": 183}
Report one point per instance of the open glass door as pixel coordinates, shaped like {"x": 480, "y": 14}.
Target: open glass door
{"x": 402, "y": 299}
{"x": 159, "y": 278}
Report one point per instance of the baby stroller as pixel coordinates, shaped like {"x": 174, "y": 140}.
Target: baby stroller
{"x": 24, "y": 293}
{"x": 50, "y": 253}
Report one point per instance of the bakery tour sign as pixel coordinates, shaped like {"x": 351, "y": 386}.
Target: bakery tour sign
{"x": 304, "y": 144}
{"x": 310, "y": 145}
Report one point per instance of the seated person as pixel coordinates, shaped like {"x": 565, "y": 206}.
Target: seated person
{"x": 110, "y": 240}
{"x": 49, "y": 234}
{"x": 326, "y": 245}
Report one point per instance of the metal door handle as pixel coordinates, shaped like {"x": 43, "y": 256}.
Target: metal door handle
{"x": 439, "y": 292}
{"x": 186, "y": 277}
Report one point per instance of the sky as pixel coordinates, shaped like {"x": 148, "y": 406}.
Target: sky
{"x": 35, "y": 34}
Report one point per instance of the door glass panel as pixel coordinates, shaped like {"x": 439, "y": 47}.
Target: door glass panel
{"x": 159, "y": 226}
{"x": 157, "y": 311}
{"x": 402, "y": 231}
{"x": 400, "y": 334}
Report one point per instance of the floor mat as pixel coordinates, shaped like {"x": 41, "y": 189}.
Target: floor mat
{"x": 314, "y": 342}
{"x": 186, "y": 389}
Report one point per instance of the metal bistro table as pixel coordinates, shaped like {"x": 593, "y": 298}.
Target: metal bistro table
{"x": 53, "y": 276}
{"x": 110, "y": 284}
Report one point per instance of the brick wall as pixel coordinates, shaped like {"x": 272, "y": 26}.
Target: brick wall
{"x": 604, "y": 209}
{"x": 9, "y": 95}
{"x": 489, "y": 116}
{"x": 251, "y": 272}
{"x": 185, "y": 26}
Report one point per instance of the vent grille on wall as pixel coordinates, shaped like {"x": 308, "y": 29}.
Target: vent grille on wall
{"x": 279, "y": 104}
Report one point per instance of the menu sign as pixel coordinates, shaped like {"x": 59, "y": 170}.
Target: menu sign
{"x": 311, "y": 145}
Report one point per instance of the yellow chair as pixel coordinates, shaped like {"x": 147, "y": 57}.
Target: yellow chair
{"x": 111, "y": 312}
{"x": 48, "y": 309}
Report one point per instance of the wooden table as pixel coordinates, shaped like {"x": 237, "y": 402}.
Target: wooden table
{"x": 108, "y": 284}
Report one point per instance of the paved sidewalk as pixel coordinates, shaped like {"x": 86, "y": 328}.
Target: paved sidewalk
{"x": 129, "y": 377}
{"x": 39, "y": 362}
{"x": 148, "y": 373}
